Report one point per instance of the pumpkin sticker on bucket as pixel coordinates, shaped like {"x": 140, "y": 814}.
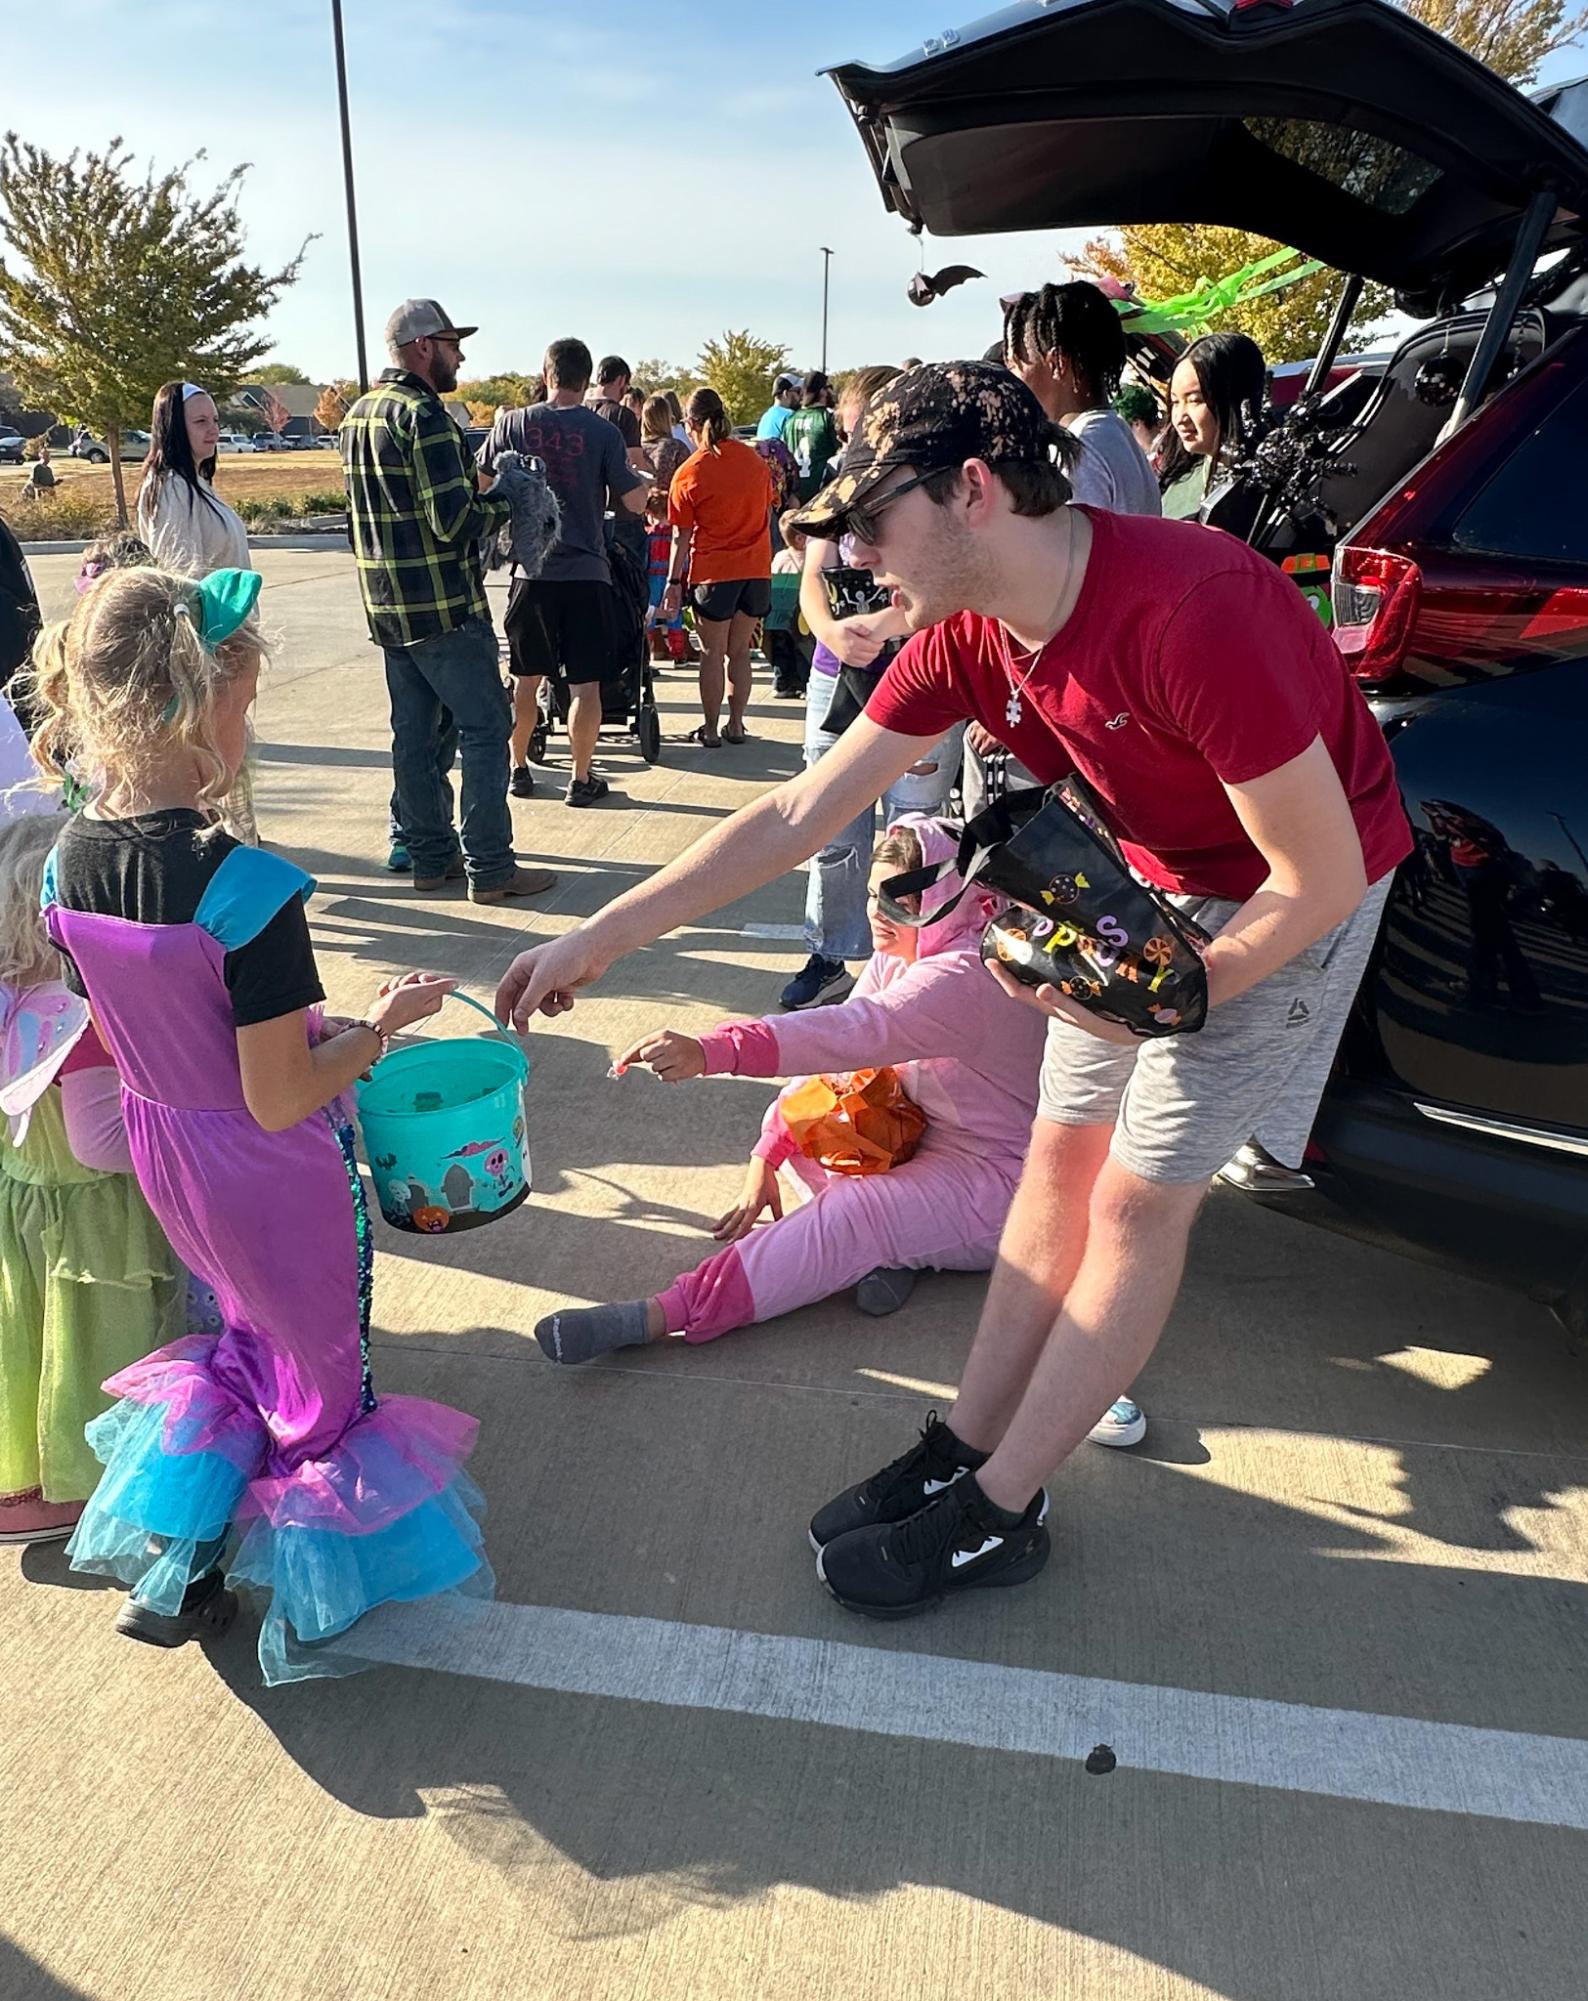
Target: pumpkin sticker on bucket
{"x": 444, "y": 1131}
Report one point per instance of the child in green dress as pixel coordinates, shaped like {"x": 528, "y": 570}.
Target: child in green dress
{"x": 88, "y": 1283}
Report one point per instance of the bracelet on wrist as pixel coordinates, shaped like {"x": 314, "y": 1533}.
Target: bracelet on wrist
{"x": 380, "y": 1035}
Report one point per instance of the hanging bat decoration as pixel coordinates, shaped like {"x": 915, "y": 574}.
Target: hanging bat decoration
{"x": 926, "y": 286}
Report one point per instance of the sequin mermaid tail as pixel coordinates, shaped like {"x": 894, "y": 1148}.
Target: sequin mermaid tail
{"x": 330, "y": 1500}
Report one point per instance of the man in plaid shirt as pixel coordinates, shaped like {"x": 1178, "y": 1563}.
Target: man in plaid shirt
{"x": 418, "y": 510}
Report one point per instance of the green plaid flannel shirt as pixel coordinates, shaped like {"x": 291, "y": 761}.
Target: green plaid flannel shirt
{"x": 416, "y": 512}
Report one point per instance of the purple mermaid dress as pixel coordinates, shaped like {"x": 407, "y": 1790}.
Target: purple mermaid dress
{"x": 344, "y": 1501}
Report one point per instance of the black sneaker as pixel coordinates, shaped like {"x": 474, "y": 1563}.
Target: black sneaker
{"x": 935, "y": 1462}
{"x": 817, "y": 981}
{"x": 586, "y": 791}
{"x": 522, "y": 784}
{"x": 958, "y": 1542}
{"x": 207, "y": 1608}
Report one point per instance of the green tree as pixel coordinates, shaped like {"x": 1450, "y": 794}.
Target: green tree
{"x": 741, "y": 369}
{"x": 1513, "y": 37}
{"x": 655, "y": 375}
{"x": 276, "y": 374}
{"x": 120, "y": 284}
{"x": 495, "y": 392}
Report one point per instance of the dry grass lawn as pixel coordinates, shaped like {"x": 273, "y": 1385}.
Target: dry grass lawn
{"x": 238, "y": 476}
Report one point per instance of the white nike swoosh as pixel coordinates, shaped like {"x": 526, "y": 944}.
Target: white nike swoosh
{"x": 963, "y": 1556}
{"x": 942, "y": 1486}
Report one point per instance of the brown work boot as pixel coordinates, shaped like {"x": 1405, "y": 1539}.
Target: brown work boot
{"x": 431, "y": 885}
{"x": 522, "y": 882}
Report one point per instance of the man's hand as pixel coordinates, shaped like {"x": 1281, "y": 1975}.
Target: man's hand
{"x": 546, "y": 978}
{"x": 673, "y": 1057}
{"x": 982, "y": 740}
{"x": 760, "y": 1192}
{"x": 1049, "y": 1001}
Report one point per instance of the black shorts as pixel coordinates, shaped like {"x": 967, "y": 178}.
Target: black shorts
{"x": 720, "y": 602}
{"x": 562, "y": 630}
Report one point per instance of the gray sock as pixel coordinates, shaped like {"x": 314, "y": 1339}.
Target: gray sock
{"x": 580, "y": 1333}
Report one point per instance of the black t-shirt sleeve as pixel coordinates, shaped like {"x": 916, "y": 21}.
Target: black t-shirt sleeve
{"x": 274, "y": 973}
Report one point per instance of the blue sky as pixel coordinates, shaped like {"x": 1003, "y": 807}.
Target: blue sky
{"x": 642, "y": 173}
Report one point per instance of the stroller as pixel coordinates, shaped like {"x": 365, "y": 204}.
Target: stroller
{"x": 628, "y": 693}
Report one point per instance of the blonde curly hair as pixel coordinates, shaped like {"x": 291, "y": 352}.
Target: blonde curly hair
{"x": 26, "y": 954}
{"x": 126, "y": 680}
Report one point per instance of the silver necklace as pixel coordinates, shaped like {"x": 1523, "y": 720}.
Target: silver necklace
{"x": 1014, "y": 709}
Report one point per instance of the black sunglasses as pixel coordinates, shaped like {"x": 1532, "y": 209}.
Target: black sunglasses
{"x": 861, "y": 519}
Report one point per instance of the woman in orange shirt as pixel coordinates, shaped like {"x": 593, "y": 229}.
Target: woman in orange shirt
{"x": 720, "y": 507}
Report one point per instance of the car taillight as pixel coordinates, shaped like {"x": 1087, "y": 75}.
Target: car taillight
{"x": 1376, "y": 596}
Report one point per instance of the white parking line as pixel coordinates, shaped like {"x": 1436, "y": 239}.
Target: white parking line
{"x": 1238, "y": 1740}
{"x": 773, "y": 931}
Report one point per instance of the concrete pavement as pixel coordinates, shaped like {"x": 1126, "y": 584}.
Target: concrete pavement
{"x": 1330, "y": 1617}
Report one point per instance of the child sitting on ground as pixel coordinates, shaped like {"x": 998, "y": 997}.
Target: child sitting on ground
{"x": 88, "y": 1284}
{"x": 966, "y": 1054}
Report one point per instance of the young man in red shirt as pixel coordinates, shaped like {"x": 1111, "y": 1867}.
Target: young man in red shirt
{"x": 1188, "y": 681}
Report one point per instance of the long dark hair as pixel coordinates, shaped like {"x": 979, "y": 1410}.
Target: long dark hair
{"x": 169, "y": 448}
{"x": 816, "y": 392}
{"x": 1234, "y": 377}
{"x": 705, "y": 413}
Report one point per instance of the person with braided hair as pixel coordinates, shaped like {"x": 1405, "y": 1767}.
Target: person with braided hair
{"x": 1066, "y": 344}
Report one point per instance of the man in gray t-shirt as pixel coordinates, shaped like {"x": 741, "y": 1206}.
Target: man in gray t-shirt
{"x": 559, "y": 622}
{"x": 1113, "y": 471}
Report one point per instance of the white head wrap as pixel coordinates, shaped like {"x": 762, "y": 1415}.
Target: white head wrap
{"x": 191, "y": 389}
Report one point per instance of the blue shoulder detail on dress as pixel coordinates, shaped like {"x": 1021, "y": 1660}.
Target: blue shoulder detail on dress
{"x": 245, "y": 892}
{"x": 47, "y": 893}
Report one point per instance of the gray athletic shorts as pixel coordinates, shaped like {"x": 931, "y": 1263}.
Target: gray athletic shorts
{"x": 1181, "y": 1105}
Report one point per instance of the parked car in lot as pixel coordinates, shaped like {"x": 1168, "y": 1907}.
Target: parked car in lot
{"x": 133, "y": 446}
{"x": 1445, "y": 489}
{"x": 11, "y": 445}
{"x": 235, "y": 441}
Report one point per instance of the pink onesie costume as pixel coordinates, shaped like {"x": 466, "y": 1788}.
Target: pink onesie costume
{"x": 969, "y": 1057}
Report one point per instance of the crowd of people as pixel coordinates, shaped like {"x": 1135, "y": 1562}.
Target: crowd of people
{"x": 986, "y": 595}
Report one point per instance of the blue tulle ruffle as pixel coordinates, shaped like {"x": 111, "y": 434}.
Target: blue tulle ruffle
{"x": 156, "y": 1517}
{"x": 320, "y": 1583}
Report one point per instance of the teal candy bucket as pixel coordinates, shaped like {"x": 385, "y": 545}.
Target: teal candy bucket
{"x": 444, "y": 1131}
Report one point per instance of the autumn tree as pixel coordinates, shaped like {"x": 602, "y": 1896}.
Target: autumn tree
{"x": 116, "y": 284}
{"x": 336, "y": 399}
{"x": 741, "y": 369}
{"x": 1161, "y": 260}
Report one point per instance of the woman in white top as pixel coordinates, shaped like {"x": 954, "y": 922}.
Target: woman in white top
{"x": 187, "y": 527}
{"x": 184, "y": 521}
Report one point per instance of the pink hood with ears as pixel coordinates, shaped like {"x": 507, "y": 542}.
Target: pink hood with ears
{"x": 961, "y": 929}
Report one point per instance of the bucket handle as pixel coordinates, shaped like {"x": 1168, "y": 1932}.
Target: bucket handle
{"x": 501, "y": 1033}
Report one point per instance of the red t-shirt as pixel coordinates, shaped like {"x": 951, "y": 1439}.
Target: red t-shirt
{"x": 1189, "y": 662}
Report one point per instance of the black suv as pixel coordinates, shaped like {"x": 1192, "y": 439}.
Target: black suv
{"x": 1449, "y": 502}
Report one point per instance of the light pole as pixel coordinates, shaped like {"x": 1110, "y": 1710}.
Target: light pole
{"x": 827, "y": 265}
{"x": 352, "y": 211}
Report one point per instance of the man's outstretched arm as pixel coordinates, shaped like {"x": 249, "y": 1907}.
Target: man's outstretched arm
{"x": 753, "y": 846}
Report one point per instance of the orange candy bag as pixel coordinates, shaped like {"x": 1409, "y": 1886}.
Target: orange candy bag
{"x": 857, "y": 1122}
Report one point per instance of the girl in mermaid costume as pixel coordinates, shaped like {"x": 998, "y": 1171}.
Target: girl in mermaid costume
{"x": 259, "y": 1455}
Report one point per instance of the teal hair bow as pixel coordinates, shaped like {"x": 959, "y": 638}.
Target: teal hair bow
{"x": 225, "y": 600}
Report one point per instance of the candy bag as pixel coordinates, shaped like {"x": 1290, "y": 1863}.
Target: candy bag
{"x": 857, "y": 1122}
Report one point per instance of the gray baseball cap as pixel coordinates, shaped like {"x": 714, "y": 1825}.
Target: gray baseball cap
{"x": 415, "y": 318}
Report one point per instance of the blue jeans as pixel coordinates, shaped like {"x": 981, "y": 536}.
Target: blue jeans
{"x": 446, "y": 757}
{"x": 456, "y": 671}
{"x": 835, "y": 898}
